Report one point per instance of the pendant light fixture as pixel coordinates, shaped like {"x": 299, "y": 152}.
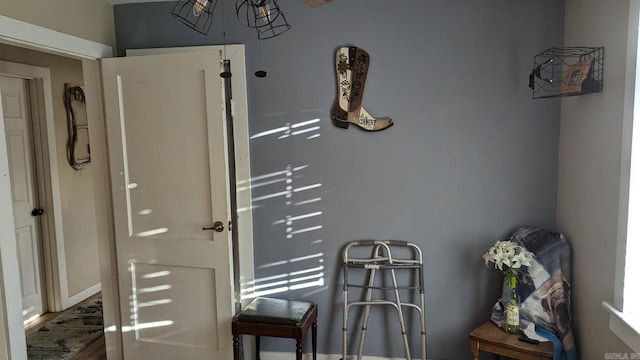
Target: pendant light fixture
{"x": 260, "y": 73}
{"x": 196, "y": 14}
{"x": 263, "y": 15}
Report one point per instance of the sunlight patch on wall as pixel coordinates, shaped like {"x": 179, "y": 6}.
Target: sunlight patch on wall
{"x": 293, "y": 197}
{"x": 300, "y": 128}
{"x": 299, "y": 267}
{"x": 304, "y": 278}
{"x": 289, "y": 221}
{"x": 291, "y": 282}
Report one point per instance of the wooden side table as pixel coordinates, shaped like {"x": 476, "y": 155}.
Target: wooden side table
{"x": 490, "y": 338}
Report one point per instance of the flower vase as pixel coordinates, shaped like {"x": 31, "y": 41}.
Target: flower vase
{"x": 512, "y": 308}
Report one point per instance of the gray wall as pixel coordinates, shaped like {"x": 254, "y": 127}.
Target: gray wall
{"x": 470, "y": 158}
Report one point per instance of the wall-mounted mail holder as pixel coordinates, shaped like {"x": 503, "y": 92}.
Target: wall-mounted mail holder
{"x": 567, "y": 71}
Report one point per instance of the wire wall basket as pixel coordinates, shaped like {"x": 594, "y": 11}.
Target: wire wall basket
{"x": 568, "y": 71}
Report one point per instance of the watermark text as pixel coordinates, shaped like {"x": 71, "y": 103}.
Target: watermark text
{"x": 622, "y": 356}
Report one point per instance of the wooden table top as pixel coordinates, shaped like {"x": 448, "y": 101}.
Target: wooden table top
{"x": 491, "y": 333}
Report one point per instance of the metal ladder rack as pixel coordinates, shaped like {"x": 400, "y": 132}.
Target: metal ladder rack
{"x": 382, "y": 260}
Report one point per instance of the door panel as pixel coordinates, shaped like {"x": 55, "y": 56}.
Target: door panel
{"x": 167, "y": 156}
{"x": 167, "y": 149}
{"x": 19, "y": 152}
{"x": 193, "y": 328}
{"x": 17, "y": 147}
{"x": 28, "y": 272}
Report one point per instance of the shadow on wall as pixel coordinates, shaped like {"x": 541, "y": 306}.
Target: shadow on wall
{"x": 295, "y": 218}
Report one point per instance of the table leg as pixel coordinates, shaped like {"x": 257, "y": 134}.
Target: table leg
{"x": 314, "y": 337}
{"x": 257, "y": 347}
{"x": 236, "y": 347}
{"x": 475, "y": 350}
{"x": 299, "y": 346}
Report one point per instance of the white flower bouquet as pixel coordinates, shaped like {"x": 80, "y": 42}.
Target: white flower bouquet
{"x": 508, "y": 257}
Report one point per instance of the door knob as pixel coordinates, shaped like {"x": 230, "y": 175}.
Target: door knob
{"x": 218, "y": 226}
{"x": 37, "y": 212}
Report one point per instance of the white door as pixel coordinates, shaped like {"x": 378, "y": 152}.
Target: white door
{"x": 17, "y": 126}
{"x": 168, "y": 151}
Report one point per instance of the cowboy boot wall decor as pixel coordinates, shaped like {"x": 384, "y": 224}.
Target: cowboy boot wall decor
{"x": 352, "y": 65}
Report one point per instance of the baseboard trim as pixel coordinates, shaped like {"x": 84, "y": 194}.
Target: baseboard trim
{"x": 272, "y": 355}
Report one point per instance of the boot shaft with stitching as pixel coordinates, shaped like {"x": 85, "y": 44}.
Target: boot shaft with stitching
{"x": 352, "y": 65}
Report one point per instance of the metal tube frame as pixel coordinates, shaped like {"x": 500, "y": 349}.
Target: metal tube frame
{"x": 382, "y": 259}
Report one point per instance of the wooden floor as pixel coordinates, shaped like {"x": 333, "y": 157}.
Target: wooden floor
{"x": 95, "y": 351}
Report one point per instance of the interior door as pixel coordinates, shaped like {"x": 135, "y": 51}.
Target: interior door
{"x": 21, "y": 170}
{"x": 168, "y": 161}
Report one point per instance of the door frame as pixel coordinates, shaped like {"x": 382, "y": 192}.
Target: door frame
{"x": 47, "y": 188}
{"x": 45, "y": 161}
{"x": 47, "y": 225}
{"x": 21, "y": 34}
{"x": 34, "y": 37}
